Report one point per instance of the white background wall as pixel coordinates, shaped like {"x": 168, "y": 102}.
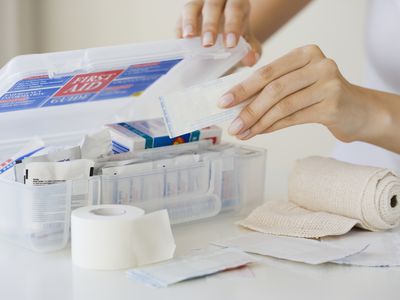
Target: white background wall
{"x": 337, "y": 26}
{"x": 18, "y": 28}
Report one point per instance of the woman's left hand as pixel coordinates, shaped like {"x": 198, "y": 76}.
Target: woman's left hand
{"x": 301, "y": 87}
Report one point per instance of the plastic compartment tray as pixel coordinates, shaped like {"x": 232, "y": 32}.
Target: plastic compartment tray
{"x": 231, "y": 182}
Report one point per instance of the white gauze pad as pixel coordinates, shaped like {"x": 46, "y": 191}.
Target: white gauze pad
{"x": 196, "y": 107}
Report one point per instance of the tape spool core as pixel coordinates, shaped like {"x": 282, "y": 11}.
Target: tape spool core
{"x": 393, "y": 201}
{"x": 109, "y": 211}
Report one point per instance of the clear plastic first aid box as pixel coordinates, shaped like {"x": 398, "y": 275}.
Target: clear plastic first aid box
{"x": 59, "y": 97}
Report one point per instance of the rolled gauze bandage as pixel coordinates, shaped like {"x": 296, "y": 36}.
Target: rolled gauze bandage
{"x": 366, "y": 194}
{"x": 329, "y": 197}
{"x": 112, "y": 237}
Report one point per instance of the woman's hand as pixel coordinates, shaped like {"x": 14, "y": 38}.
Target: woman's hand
{"x": 210, "y": 17}
{"x": 301, "y": 87}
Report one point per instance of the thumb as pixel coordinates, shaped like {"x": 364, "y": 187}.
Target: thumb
{"x": 254, "y": 54}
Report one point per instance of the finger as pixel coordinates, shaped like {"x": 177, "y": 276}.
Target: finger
{"x": 190, "y": 15}
{"x": 236, "y": 13}
{"x": 270, "y": 95}
{"x": 178, "y": 29}
{"x": 284, "y": 108}
{"x": 311, "y": 114}
{"x": 290, "y": 62}
{"x": 254, "y": 54}
{"x": 212, "y": 11}
{"x": 250, "y": 59}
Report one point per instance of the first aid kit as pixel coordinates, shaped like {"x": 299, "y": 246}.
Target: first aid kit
{"x": 55, "y": 99}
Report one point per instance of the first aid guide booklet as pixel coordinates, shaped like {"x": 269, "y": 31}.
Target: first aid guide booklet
{"x": 42, "y": 91}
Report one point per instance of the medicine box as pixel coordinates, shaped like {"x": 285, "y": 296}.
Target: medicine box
{"x": 59, "y": 97}
{"x": 144, "y": 134}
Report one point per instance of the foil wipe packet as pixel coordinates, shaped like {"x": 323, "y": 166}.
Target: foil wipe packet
{"x": 45, "y": 173}
{"x": 49, "y": 155}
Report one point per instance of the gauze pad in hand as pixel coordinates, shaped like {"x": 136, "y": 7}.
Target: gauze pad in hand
{"x": 196, "y": 107}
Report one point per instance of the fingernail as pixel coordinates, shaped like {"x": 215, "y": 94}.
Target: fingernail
{"x": 257, "y": 57}
{"x": 236, "y": 126}
{"x": 208, "y": 39}
{"x": 187, "y": 30}
{"x": 225, "y": 100}
{"x": 231, "y": 40}
{"x": 244, "y": 135}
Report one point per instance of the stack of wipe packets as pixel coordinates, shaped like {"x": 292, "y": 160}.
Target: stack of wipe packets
{"x": 46, "y": 164}
{"x": 190, "y": 267}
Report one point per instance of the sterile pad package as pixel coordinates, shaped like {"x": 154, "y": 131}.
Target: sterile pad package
{"x": 196, "y": 107}
{"x": 62, "y": 97}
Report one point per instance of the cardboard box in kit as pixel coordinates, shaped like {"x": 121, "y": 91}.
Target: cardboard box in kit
{"x": 145, "y": 134}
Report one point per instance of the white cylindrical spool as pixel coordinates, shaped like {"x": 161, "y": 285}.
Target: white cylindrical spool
{"x": 112, "y": 237}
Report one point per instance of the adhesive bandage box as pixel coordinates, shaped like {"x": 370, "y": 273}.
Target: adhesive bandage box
{"x": 144, "y": 134}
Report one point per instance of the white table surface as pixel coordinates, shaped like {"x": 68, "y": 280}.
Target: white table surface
{"x": 27, "y": 275}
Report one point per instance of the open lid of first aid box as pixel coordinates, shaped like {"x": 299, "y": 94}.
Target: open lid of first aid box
{"x": 65, "y": 94}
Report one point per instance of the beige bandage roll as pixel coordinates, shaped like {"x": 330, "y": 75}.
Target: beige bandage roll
{"x": 329, "y": 197}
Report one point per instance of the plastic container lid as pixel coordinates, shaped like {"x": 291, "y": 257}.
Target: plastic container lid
{"x": 68, "y": 93}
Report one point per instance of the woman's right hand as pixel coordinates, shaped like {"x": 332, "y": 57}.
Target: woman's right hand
{"x": 210, "y": 17}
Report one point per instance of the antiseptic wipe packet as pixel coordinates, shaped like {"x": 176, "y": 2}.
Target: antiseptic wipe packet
{"x": 45, "y": 173}
{"x": 190, "y": 267}
{"x": 51, "y": 154}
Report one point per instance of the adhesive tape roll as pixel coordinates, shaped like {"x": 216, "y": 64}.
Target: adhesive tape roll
{"x": 112, "y": 237}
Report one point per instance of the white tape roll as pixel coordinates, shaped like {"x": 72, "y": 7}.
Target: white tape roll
{"x": 112, "y": 237}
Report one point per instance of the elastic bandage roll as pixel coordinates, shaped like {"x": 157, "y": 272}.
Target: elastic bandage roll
{"x": 329, "y": 197}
